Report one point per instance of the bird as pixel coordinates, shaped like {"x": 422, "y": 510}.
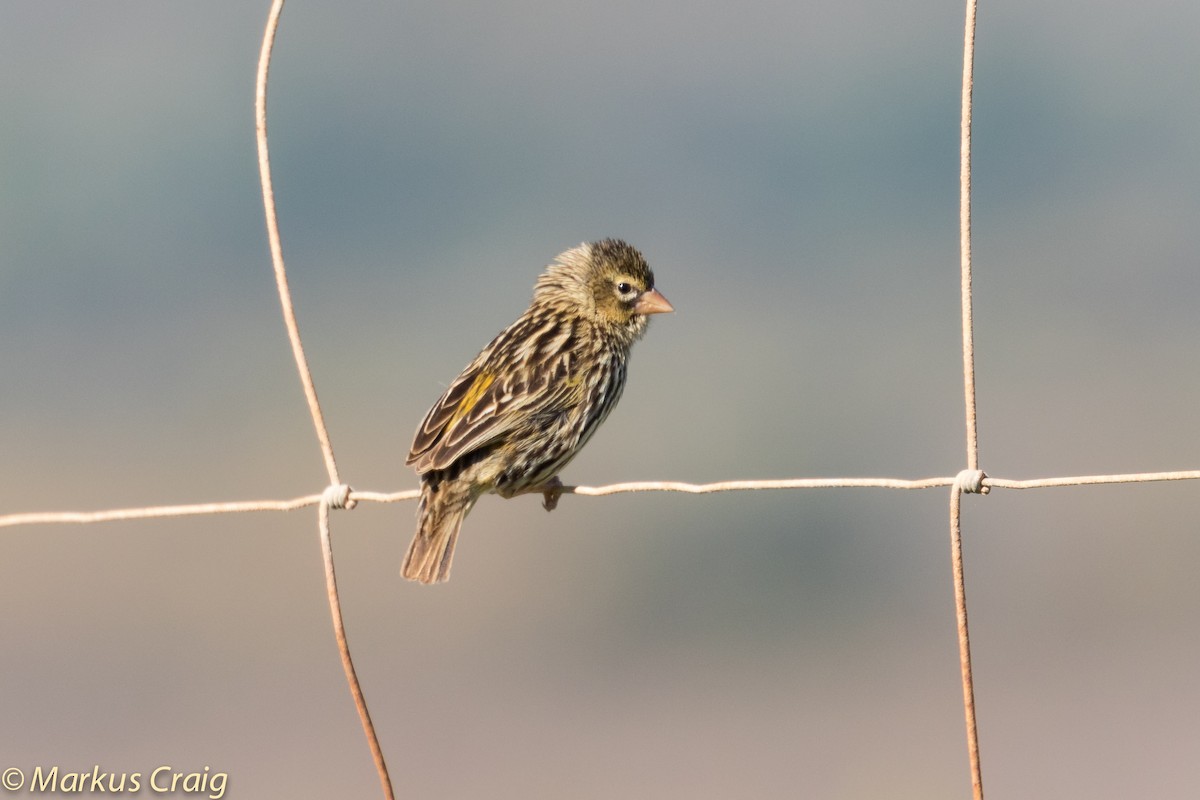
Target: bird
{"x": 532, "y": 398}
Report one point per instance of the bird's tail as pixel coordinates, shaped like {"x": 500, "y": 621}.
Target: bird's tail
{"x": 440, "y": 515}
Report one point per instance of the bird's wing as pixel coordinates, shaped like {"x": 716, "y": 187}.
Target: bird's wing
{"x": 499, "y": 391}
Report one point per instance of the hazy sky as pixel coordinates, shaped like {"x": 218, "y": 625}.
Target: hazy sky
{"x": 791, "y": 172}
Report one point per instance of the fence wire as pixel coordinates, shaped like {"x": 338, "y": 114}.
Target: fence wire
{"x": 355, "y": 495}
{"x": 338, "y": 495}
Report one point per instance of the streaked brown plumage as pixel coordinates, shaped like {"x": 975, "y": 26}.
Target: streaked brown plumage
{"x": 526, "y": 405}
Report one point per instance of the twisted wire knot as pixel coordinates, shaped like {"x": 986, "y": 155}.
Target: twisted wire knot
{"x": 337, "y": 495}
{"x": 970, "y": 481}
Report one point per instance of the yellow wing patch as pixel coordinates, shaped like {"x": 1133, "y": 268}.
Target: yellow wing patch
{"x": 478, "y": 387}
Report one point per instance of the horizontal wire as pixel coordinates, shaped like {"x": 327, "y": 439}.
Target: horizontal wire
{"x": 1090, "y": 480}
{"x": 152, "y": 512}
{"x": 113, "y": 515}
{"x": 753, "y": 485}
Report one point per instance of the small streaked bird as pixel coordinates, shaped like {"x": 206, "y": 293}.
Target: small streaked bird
{"x": 527, "y": 404}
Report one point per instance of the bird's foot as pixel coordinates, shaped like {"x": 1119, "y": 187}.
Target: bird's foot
{"x": 551, "y": 490}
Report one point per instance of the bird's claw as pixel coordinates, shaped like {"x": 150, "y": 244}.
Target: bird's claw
{"x": 551, "y": 491}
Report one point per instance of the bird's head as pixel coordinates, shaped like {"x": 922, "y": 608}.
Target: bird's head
{"x": 607, "y": 282}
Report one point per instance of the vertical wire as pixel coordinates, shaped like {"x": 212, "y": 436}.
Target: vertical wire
{"x": 964, "y": 641}
{"x": 968, "y": 350}
{"x": 281, "y": 281}
{"x": 339, "y": 632}
{"x": 310, "y": 392}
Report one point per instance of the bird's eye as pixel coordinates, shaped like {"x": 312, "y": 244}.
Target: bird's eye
{"x": 624, "y": 288}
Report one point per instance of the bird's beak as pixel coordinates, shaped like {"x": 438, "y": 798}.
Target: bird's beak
{"x": 652, "y": 303}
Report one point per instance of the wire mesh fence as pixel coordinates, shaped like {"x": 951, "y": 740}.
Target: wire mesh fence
{"x": 337, "y": 495}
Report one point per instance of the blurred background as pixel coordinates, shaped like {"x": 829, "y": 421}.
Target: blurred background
{"x": 791, "y": 172}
